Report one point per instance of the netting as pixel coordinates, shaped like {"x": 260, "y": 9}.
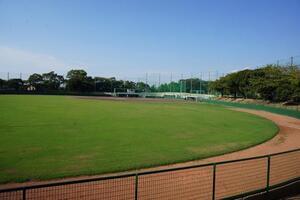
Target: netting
{"x": 231, "y": 178}
{"x": 284, "y": 167}
{"x": 184, "y": 184}
{"x": 113, "y": 189}
{"x": 240, "y": 177}
{"x": 12, "y": 195}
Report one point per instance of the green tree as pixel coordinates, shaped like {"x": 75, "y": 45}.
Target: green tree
{"x": 15, "y": 84}
{"x": 266, "y": 80}
{"x": 52, "y": 81}
{"x": 142, "y": 87}
{"x": 3, "y": 84}
{"x": 219, "y": 85}
{"x": 79, "y": 81}
{"x": 36, "y": 80}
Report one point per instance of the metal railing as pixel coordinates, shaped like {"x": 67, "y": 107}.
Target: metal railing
{"x": 220, "y": 180}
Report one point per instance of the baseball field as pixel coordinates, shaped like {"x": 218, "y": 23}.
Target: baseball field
{"x": 47, "y": 137}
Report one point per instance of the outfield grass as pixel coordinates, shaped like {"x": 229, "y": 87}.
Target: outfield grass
{"x": 268, "y": 108}
{"x": 44, "y": 137}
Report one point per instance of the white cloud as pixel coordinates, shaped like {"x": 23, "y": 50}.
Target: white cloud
{"x": 17, "y": 60}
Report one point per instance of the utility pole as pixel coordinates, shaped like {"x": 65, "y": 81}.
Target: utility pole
{"x": 292, "y": 61}
{"x": 8, "y": 76}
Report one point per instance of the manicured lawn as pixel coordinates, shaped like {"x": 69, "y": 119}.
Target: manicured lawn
{"x": 44, "y": 137}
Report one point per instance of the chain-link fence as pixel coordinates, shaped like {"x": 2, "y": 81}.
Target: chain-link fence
{"x": 158, "y": 82}
{"x": 292, "y": 61}
{"x": 228, "y": 179}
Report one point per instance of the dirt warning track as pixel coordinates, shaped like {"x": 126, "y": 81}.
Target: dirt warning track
{"x": 195, "y": 183}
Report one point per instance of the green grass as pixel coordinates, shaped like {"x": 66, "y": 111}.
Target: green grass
{"x": 45, "y": 137}
{"x": 272, "y": 109}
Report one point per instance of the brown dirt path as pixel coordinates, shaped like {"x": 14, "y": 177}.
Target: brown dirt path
{"x": 288, "y": 138}
{"x": 233, "y": 178}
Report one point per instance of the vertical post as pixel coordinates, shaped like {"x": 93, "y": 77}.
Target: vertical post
{"x": 136, "y": 186}
{"x": 200, "y": 83}
{"x": 159, "y": 82}
{"x": 111, "y": 85}
{"x": 191, "y": 84}
{"x": 214, "y": 182}
{"x": 124, "y": 84}
{"x": 24, "y": 194}
{"x": 171, "y": 82}
{"x": 292, "y": 61}
{"x": 268, "y": 174}
{"x": 8, "y": 76}
{"x": 181, "y": 83}
{"x": 209, "y": 81}
{"x": 185, "y": 86}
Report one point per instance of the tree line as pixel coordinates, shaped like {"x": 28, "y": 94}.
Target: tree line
{"x": 271, "y": 83}
{"x": 77, "y": 80}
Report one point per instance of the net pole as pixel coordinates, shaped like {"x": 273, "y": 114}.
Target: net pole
{"x": 181, "y": 79}
{"x": 191, "y": 84}
{"x": 200, "y": 83}
{"x": 158, "y": 82}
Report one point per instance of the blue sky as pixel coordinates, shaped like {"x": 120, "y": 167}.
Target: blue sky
{"x": 131, "y": 37}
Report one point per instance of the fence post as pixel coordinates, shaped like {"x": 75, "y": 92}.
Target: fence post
{"x": 268, "y": 174}
{"x": 24, "y": 194}
{"x": 136, "y": 186}
{"x": 214, "y": 182}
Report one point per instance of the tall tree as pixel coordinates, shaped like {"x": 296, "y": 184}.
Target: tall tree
{"x": 15, "y": 84}
{"x": 52, "y": 81}
{"x": 2, "y": 84}
{"x": 77, "y": 80}
{"x": 36, "y": 80}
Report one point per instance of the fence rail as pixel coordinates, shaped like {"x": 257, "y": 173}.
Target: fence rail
{"x": 220, "y": 180}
